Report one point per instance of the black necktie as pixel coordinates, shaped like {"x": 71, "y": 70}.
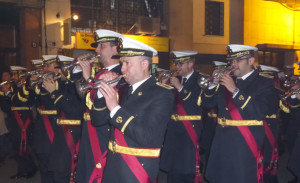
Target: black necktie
{"x": 184, "y": 81}
{"x": 129, "y": 91}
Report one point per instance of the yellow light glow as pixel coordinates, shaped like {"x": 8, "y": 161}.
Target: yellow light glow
{"x": 75, "y": 17}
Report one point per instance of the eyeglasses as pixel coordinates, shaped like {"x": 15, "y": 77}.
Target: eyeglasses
{"x": 180, "y": 64}
{"x": 238, "y": 60}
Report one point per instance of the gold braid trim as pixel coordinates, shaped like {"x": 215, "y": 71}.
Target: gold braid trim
{"x": 58, "y": 99}
{"x": 228, "y": 122}
{"x": 37, "y": 90}
{"x": 68, "y": 122}
{"x": 246, "y": 102}
{"x": 141, "y": 152}
{"x": 273, "y": 116}
{"x": 26, "y": 92}
{"x": 99, "y": 109}
{"x": 47, "y": 112}
{"x": 22, "y": 98}
{"x": 126, "y": 124}
{"x": 212, "y": 115}
{"x": 86, "y": 116}
{"x": 176, "y": 117}
{"x": 283, "y": 107}
{"x": 88, "y": 101}
{"x": 200, "y": 98}
{"x": 295, "y": 106}
{"x": 187, "y": 97}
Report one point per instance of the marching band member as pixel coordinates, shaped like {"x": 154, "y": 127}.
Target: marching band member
{"x": 243, "y": 103}
{"x": 140, "y": 119}
{"x": 94, "y": 140}
{"x": 181, "y": 151}
{"x": 65, "y": 146}
{"x": 20, "y": 125}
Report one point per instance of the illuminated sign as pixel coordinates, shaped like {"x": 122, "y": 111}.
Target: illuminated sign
{"x": 161, "y": 44}
{"x": 296, "y": 70}
{"x": 84, "y": 40}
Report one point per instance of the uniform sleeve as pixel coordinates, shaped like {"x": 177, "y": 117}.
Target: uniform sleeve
{"x": 100, "y": 113}
{"x": 152, "y": 121}
{"x": 259, "y": 103}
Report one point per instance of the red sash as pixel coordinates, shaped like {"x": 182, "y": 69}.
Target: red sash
{"x": 235, "y": 115}
{"x": 99, "y": 158}
{"x": 193, "y": 135}
{"x": 23, "y": 126}
{"x": 74, "y": 148}
{"x": 48, "y": 126}
{"x": 132, "y": 161}
{"x": 272, "y": 167}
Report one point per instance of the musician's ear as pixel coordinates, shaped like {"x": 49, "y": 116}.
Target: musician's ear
{"x": 251, "y": 60}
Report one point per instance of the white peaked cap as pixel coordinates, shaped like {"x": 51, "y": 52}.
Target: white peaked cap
{"x": 37, "y": 61}
{"x": 268, "y": 68}
{"x": 218, "y": 63}
{"x": 65, "y": 58}
{"x": 184, "y": 53}
{"x": 132, "y": 47}
{"x": 238, "y": 48}
{"x": 17, "y": 68}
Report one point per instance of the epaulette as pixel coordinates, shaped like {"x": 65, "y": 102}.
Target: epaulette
{"x": 266, "y": 75}
{"x": 165, "y": 86}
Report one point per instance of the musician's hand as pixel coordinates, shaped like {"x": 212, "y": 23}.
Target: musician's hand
{"x": 108, "y": 76}
{"x": 228, "y": 82}
{"x": 109, "y": 94}
{"x": 174, "y": 81}
{"x": 86, "y": 69}
{"x": 49, "y": 85}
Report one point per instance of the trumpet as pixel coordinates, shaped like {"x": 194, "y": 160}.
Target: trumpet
{"x": 68, "y": 67}
{"x": 41, "y": 78}
{"x": 82, "y": 86}
{"x": 289, "y": 94}
{"x": 204, "y": 81}
{"x": 166, "y": 74}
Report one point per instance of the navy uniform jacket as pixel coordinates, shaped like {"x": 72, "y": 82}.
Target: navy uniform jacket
{"x": 41, "y": 141}
{"x": 14, "y": 99}
{"x": 67, "y": 102}
{"x": 294, "y": 162}
{"x": 147, "y": 112}
{"x": 231, "y": 159}
{"x": 178, "y": 153}
{"x": 86, "y": 160}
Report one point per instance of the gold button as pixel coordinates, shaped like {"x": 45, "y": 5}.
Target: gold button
{"x": 98, "y": 165}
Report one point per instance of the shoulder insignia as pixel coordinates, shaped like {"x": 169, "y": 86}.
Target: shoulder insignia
{"x": 241, "y": 97}
{"x": 164, "y": 85}
{"x": 266, "y": 75}
{"x": 119, "y": 119}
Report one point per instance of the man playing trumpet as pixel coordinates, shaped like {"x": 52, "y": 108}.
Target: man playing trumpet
{"x": 243, "y": 101}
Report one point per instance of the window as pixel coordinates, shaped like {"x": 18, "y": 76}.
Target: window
{"x": 214, "y": 18}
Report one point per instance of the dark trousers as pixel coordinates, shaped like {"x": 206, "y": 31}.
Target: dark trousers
{"x": 181, "y": 178}
{"x": 46, "y": 176}
{"x": 61, "y": 177}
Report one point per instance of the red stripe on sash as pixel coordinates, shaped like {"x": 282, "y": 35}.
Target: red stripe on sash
{"x": 235, "y": 115}
{"x": 132, "y": 161}
{"x": 99, "y": 158}
{"x": 74, "y": 148}
{"x": 23, "y": 127}
{"x": 193, "y": 136}
{"x": 272, "y": 167}
{"x": 48, "y": 126}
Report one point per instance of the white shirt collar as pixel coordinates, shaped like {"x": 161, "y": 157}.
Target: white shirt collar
{"x": 136, "y": 85}
{"x": 188, "y": 76}
{"x": 246, "y": 75}
{"x": 111, "y": 67}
